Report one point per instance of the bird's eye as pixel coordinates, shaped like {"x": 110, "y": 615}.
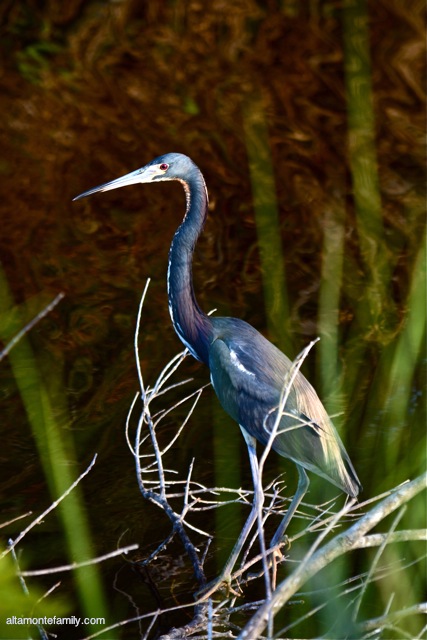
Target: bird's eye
{"x": 164, "y": 166}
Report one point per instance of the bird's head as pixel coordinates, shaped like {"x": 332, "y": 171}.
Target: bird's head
{"x": 171, "y": 166}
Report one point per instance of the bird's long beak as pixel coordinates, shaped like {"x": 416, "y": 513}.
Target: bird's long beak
{"x": 146, "y": 174}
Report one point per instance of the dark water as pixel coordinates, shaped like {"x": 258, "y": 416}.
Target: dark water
{"x": 260, "y": 96}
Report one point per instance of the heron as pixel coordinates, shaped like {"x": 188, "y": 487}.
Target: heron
{"x": 247, "y": 371}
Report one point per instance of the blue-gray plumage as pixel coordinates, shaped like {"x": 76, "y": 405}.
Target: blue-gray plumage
{"x": 247, "y": 371}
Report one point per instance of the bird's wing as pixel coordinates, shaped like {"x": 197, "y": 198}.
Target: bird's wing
{"x": 251, "y": 394}
{"x": 315, "y": 443}
{"x": 249, "y": 384}
{"x": 244, "y": 384}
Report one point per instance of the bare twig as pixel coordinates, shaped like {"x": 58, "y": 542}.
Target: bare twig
{"x": 43, "y": 313}
{"x": 12, "y": 543}
{"x": 78, "y": 565}
{"x": 9, "y": 522}
{"x": 390, "y": 618}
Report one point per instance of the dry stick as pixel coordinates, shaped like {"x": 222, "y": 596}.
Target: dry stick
{"x": 161, "y": 501}
{"x": 77, "y": 565}
{"x": 129, "y": 444}
{"x": 167, "y": 372}
{"x": 377, "y": 623}
{"x": 197, "y": 393}
{"x": 12, "y": 544}
{"x": 376, "y": 539}
{"x": 150, "y": 626}
{"x": 341, "y": 544}
{"x": 158, "y": 456}
{"x": 30, "y": 325}
{"x": 138, "y": 322}
{"x": 9, "y": 522}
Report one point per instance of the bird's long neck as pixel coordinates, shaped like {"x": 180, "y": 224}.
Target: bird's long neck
{"x": 189, "y": 321}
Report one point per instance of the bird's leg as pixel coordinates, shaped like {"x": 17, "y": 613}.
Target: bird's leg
{"x": 276, "y": 555}
{"x": 225, "y": 575}
{"x": 302, "y": 487}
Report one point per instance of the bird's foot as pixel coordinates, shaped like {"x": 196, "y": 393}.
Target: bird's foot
{"x": 277, "y": 557}
{"x": 223, "y": 583}
{"x": 274, "y": 558}
{"x": 282, "y": 542}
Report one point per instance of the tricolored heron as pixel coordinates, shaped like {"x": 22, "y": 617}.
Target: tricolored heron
{"x": 247, "y": 371}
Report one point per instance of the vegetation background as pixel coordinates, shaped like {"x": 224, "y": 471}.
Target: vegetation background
{"x": 308, "y": 123}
